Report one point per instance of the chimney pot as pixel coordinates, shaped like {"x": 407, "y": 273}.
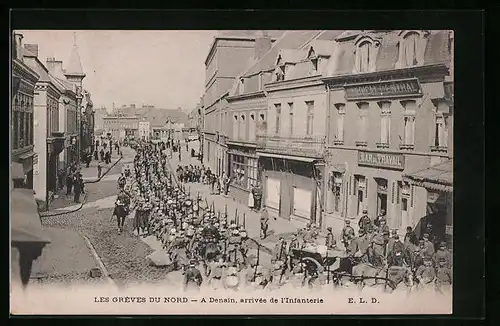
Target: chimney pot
{"x": 33, "y": 48}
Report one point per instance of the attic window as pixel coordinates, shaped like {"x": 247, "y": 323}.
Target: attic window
{"x": 280, "y": 74}
{"x": 314, "y": 61}
{"x": 366, "y": 54}
{"x": 412, "y": 48}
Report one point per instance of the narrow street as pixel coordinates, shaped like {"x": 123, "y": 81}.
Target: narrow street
{"x": 124, "y": 255}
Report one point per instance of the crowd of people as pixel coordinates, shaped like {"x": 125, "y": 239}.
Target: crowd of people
{"x": 196, "y": 238}
{"x": 200, "y": 174}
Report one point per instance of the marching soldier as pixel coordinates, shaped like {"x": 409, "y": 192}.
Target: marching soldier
{"x": 294, "y": 245}
{"x": 264, "y": 223}
{"x": 425, "y": 274}
{"x": 216, "y": 273}
{"x": 234, "y": 243}
{"x": 364, "y": 222}
{"x": 192, "y": 277}
{"x": 347, "y": 234}
{"x": 244, "y": 245}
{"x": 330, "y": 241}
{"x": 443, "y": 275}
{"x": 442, "y": 254}
{"x": 280, "y": 250}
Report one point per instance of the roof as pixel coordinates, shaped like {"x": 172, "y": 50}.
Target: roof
{"x": 291, "y": 55}
{"x": 25, "y": 221}
{"x": 438, "y": 177}
{"x": 38, "y": 67}
{"x": 321, "y": 47}
{"x": 248, "y": 33}
{"x": 289, "y": 40}
{"x": 74, "y": 64}
{"x": 436, "y": 51}
{"x": 156, "y": 116}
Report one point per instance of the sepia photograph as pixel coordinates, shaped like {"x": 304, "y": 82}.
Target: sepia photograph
{"x": 231, "y": 172}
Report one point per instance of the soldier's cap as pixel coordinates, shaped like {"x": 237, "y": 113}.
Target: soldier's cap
{"x": 427, "y": 259}
{"x": 329, "y": 228}
{"x": 442, "y": 244}
{"x": 421, "y": 241}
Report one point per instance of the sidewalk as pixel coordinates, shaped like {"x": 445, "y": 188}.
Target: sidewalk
{"x": 67, "y": 258}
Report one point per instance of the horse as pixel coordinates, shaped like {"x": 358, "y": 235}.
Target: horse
{"x": 121, "y": 213}
{"x": 209, "y": 251}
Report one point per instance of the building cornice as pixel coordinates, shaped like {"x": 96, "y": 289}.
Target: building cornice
{"x": 440, "y": 70}
{"x": 246, "y": 96}
{"x": 308, "y": 81}
{"x": 25, "y": 72}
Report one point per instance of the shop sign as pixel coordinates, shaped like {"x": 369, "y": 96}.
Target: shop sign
{"x": 382, "y": 160}
{"x": 383, "y": 89}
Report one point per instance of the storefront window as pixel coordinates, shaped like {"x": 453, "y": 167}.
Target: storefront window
{"x": 337, "y": 187}
{"x": 360, "y": 190}
{"x": 244, "y": 171}
{"x": 381, "y": 196}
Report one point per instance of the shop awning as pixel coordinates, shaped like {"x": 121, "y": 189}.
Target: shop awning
{"x": 26, "y": 226}
{"x": 438, "y": 177}
{"x": 289, "y": 157}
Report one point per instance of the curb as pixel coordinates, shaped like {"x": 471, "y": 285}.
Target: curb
{"x": 98, "y": 260}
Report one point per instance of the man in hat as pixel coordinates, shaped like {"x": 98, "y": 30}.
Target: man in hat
{"x": 410, "y": 237}
{"x": 442, "y": 254}
{"x": 234, "y": 243}
{"x": 244, "y": 245}
{"x": 347, "y": 234}
{"x": 280, "y": 250}
{"x": 378, "y": 245}
{"x": 216, "y": 273}
{"x": 294, "y": 245}
{"x": 398, "y": 255}
{"x": 257, "y": 196}
{"x": 364, "y": 221}
{"x": 330, "y": 241}
{"x": 264, "y": 223}
{"x": 391, "y": 241}
{"x": 429, "y": 246}
{"x": 425, "y": 274}
{"x": 382, "y": 226}
{"x": 381, "y": 216}
{"x": 192, "y": 277}
{"x": 444, "y": 275}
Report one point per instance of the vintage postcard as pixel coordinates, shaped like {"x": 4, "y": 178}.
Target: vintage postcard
{"x": 232, "y": 172}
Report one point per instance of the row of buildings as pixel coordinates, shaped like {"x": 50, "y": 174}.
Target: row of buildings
{"x": 52, "y": 118}
{"x": 145, "y": 122}
{"x": 334, "y": 122}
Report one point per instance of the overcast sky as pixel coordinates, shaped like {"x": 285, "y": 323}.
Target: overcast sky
{"x": 162, "y": 68}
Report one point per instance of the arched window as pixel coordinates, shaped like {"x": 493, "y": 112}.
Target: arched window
{"x": 235, "y": 127}
{"x": 365, "y": 54}
{"x": 412, "y": 48}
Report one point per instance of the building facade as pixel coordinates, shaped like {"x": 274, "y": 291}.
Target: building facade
{"x": 144, "y": 130}
{"x": 121, "y": 127}
{"x": 230, "y": 54}
{"x": 24, "y": 80}
{"x": 68, "y": 113}
{"x": 389, "y": 115}
{"x": 87, "y": 123}
{"x": 48, "y": 140}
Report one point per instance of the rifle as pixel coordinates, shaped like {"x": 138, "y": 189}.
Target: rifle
{"x": 257, "y": 263}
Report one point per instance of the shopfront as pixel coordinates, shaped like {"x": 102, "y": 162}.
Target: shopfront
{"x": 243, "y": 171}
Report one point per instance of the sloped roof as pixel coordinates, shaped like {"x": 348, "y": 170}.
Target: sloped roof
{"x": 37, "y": 66}
{"x": 289, "y": 40}
{"x": 74, "y": 64}
{"x": 440, "y": 174}
{"x": 329, "y": 35}
{"x": 321, "y": 47}
{"x": 248, "y": 33}
{"x": 156, "y": 116}
{"x": 291, "y": 55}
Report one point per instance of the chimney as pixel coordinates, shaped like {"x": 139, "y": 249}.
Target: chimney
{"x": 18, "y": 45}
{"x": 262, "y": 44}
{"x": 55, "y": 67}
{"x": 33, "y": 48}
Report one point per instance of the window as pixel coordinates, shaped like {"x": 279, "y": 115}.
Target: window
{"x": 290, "y": 117}
{"x": 15, "y": 129}
{"x": 243, "y": 128}
{"x": 362, "y": 124}
{"x": 252, "y": 132}
{"x": 310, "y": 117}
{"x": 241, "y": 86}
{"x": 411, "y": 48}
{"x": 339, "y": 130}
{"x": 278, "y": 118}
{"x": 440, "y": 134}
{"x": 364, "y": 56}
{"x": 385, "y": 124}
{"x": 31, "y": 125}
{"x": 22, "y": 129}
{"x": 408, "y": 124}
{"x": 235, "y": 127}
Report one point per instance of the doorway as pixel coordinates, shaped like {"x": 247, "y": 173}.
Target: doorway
{"x": 381, "y": 203}
{"x": 404, "y": 213}
{"x": 361, "y": 196}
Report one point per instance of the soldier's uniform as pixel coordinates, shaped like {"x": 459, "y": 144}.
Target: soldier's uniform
{"x": 280, "y": 250}
{"x": 347, "y": 234}
{"x": 444, "y": 254}
{"x": 425, "y": 273}
{"x": 330, "y": 241}
{"x": 294, "y": 244}
{"x": 443, "y": 275}
{"x": 234, "y": 243}
{"x": 364, "y": 221}
{"x": 216, "y": 273}
{"x": 192, "y": 277}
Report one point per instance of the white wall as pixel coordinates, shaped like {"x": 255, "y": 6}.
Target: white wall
{"x": 40, "y": 145}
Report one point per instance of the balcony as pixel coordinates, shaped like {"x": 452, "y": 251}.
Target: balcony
{"x": 308, "y": 146}
{"x": 359, "y": 143}
{"x": 439, "y": 149}
{"x": 407, "y": 147}
{"x": 382, "y": 145}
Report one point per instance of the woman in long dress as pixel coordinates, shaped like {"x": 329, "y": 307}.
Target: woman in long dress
{"x": 250, "y": 199}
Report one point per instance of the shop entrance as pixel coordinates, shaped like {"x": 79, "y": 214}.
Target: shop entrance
{"x": 360, "y": 192}
{"x": 361, "y": 195}
{"x": 381, "y": 196}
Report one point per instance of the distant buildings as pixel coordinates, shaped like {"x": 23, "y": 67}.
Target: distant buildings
{"x": 334, "y": 122}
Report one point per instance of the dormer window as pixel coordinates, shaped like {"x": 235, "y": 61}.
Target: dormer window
{"x": 411, "y": 48}
{"x": 279, "y": 74}
{"x": 366, "y": 54}
{"x": 314, "y": 61}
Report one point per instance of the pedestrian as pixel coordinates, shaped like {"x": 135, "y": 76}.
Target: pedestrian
{"x": 330, "y": 241}
{"x": 102, "y": 155}
{"x": 410, "y": 237}
{"x": 88, "y": 159}
{"x": 77, "y": 190}
{"x": 69, "y": 182}
{"x": 99, "y": 170}
{"x": 82, "y": 183}
{"x": 96, "y": 155}
{"x": 264, "y": 223}
{"x": 251, "y": 203}
{"x": 257, "y": 196}
{"x": 347, "y": 234}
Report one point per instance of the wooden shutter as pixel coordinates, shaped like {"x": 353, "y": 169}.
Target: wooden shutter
{"x": 393, "y": 191}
